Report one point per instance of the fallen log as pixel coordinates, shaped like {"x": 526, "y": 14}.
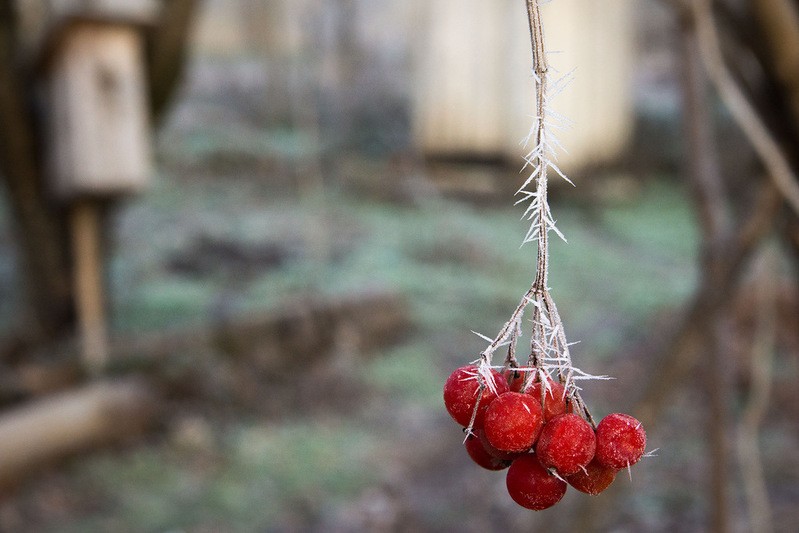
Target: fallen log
{"x": 231, "y": 362}
{"x": 50, "y": 429}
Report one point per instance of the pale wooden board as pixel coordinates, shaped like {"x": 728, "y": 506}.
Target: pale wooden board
{"x": 474, "y": 91}
{"x": 98, "y": 114}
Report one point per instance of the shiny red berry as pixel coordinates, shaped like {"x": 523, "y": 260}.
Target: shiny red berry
{"x": 554, "y": 398}
{"x": 531, "y": 485}
{"x": 496, "y": 452}
{"x": 594, "y": 479}
{"x": 567, "y": 443}
{"x": 481, "y": 456}
{"x": 513, "y": 422}
{"x": 515, "y": 379}
{"x": 461, "y": 393}
{"x": 620, "y": 441}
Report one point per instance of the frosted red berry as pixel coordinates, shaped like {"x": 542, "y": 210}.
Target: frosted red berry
{"x": 481, "y": 456}
{"x": 554, "y": 399}
{"x": 496, "y": 452}
{"x": 567, "y": 444}
{"x": 531, "y": 485}
{"x": 620, "y": 441}
{"x": 515, "y": 379}
{"x": 513, "y": 422}
{"x": 461, "y": 393}
{"x": 594, "y": 479}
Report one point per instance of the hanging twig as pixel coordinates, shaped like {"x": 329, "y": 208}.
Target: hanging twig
{"x": 549, "y": 349}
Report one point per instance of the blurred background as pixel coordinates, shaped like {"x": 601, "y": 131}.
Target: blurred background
{"x": 243, "y": 244}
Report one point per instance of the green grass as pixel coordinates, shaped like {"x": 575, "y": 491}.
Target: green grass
{"x": 610, "y": 277}
{"x": 396, "y": 372}
{"x": 257, "y": 474}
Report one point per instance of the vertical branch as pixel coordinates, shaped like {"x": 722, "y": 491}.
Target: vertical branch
{"x": 761, "y": 363}
{"x": 742, "y": 111}
{"x": 540, "y": 68}
{"x": 712, "y": 205}
{"x": 85, "y": 218}
{"x": 167, "y": 46}
{"x": 779, "y": 20}
{"x": 39, "y": 226}
{"x": 549, "y": 350}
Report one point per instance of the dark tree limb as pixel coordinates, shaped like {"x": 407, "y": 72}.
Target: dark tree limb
{"x": 712, "y": 203}
{"x": 762, "y": 140}
{"x": 39, "y": 225}
{"x": 779, "y": 21}
{"x": 166, "y": 51}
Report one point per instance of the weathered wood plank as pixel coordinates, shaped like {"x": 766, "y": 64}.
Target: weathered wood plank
{"x": 474, "y": 92}
{"x": 98, "y": 112}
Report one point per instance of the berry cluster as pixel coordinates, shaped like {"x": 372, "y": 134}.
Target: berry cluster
{"x": 529, "y": 426}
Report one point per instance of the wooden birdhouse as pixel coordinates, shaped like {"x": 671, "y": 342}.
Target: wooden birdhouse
{"x": 92, "y": 58}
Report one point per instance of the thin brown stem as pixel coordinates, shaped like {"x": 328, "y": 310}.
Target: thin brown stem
{"x": 549, "y": 349}
{"x": 541, "y": 68}
{"x": 756, "y": 406}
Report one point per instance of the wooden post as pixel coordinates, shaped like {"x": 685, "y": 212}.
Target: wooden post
{"x": 88, "y": 283}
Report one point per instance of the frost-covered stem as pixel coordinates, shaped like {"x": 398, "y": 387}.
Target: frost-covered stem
{"x": 541, "y": 69}
{"x": 540, "y": 164}
{"x": 549, "y": 350}
{"x": 512, "y": 328}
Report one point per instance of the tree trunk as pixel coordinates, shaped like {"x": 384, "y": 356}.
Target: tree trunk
{"x": 40, "y": 226}
{"x": 712, "y": 205}
{"x": 166, "y": 51}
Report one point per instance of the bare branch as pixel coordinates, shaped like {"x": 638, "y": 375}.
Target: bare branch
{"x": 766, "y": 147}
{"x": 761, "y": 363}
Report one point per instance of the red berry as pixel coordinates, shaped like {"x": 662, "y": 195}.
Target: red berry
{"x": 532, "y": 486}
{"x": 496, "y": 452}
{"x": 515, "y": 379}
{"x": 481, "y": 456}
{"x": 594, "y": 479}
{"x": 554, "y": 399}
{"x": 620, "y": 441}
{"x": 567, "y": 443}
{"x": 513, "y": 422}
{"x": 461, "y": 392}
